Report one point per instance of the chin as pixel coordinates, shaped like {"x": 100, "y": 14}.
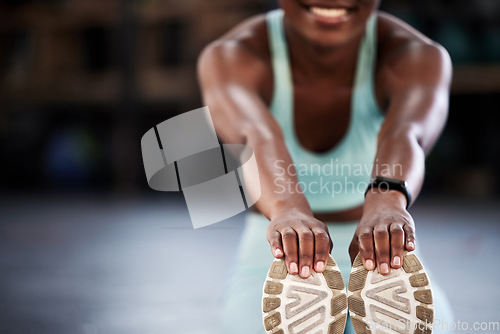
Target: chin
{"x": 328, "y": 23}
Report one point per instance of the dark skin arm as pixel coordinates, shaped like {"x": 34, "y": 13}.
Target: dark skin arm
{"x": 231, "y": 76}
{"x": 417, "y": 84}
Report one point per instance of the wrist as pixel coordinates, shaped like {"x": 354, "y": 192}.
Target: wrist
{"x": 376, "y": 196}
{"x": 296, "y": 207}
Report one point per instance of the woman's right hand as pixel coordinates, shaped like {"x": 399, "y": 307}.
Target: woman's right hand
{"x": 302, "y": 240}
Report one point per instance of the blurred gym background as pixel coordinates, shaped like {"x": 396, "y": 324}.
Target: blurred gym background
{"x": 86, "y": 247}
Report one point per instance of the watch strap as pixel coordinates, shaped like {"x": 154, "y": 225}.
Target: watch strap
{"x": 381, "y": 182}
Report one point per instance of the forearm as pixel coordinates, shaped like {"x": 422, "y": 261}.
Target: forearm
{"x": 293, "y": 232}
{"x": 280, "y": 191}
{"x": 400, "y": 156}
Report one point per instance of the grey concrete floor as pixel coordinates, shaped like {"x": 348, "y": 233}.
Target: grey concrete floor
{"x": 106, "y": 265}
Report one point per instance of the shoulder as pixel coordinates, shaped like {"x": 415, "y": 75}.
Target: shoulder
{"x": 406, "y": 55}
{"x": 243, "y": 51}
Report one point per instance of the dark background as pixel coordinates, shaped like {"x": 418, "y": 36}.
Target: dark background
{"x": 82, "y": 80}
{"x": 87, "y": 248}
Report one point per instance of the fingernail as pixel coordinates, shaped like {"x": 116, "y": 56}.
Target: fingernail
{"x": 293, "y": 268}
{"x": 278, "y": 252}
{"x": 411, "y": 245}
{"x": 305, "y": 271}
{"x": 396, "y": 261}
{"x": 320, "y": 265}
{"x": 384, "y": 268}
{"x": 369, "y": 265}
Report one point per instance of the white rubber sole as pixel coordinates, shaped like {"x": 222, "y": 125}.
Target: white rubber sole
{"x": 294, "y": 305}
{"x": 399, "y": 303}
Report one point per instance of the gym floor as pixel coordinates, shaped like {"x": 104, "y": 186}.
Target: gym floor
{"x": 128, "y": 265}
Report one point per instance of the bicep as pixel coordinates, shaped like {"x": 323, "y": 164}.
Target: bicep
{"x": 418, "y": 89}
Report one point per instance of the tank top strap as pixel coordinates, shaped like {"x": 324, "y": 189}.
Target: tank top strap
{"x": 282, "y": 101}
{"x": 364, "y": 90}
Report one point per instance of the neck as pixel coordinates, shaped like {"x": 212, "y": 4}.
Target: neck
{"x": 315, "y": 61}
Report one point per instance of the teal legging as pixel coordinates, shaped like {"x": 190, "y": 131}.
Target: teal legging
{"x": 241, "y": 302}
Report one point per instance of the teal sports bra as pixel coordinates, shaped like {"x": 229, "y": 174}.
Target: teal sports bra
{"x": 334, "y": 180}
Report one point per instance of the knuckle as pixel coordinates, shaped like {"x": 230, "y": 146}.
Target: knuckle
{"x": 322, "y": 244}
{"x": 366, "y": 247}
{"x": 365, "y": 235}
{"x": 397, "y": 236}
{"x": 275, "y": 244}
{"x": 365, "y": 254}
{"x": 396, "y": 229}
{"x": 321, "y": 236}
{"x": 288, "y": 234}
{"x": 323, "y": 247}
{"x": 397, "y": 242}
{"x": 290, "y": 256}
{"x": 397, "y": 245}
{"x": 397, "y": 251}
{"x": 306, "y": 249}
{"x": 408, "y": 219}
{"x": 274, "y": 236}
{"x": 411, "y": 230}
{"x": 305, "y": 257}
{"x": 271, "y": 234}
{"x": 382, "y": 253}
{"x": 306, "y": 235}
{"x": 380, "y": 231}
{"x": 410, "y": 235}
{"x": 321, "y": 254}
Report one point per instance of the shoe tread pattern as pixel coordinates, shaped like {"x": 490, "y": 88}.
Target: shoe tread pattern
{"x": 302, "y": 301}
{"x": 385, "y": 297}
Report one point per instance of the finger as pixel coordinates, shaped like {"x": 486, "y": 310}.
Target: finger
{"x": 289, "y": 241}
{"x": 274, "y": 238}
{"x": 409, "y": 237}
{"x": 397, "y": 238}
{"x": 306, "y": 251}
{"x": 365, "y": 239}
{"x": 321, "y": 249}
{"x": 382, "y": 248}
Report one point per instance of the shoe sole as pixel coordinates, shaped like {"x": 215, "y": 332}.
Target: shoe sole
{"x": 400, "y": 302}
{"x": 294, "y": 305}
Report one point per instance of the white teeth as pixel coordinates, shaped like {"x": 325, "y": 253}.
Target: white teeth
{"x": 329, "y": 12}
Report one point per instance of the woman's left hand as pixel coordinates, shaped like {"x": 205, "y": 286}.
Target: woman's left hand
{"x": 385, "y": 230}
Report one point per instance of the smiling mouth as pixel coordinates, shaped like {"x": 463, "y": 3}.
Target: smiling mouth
{"x": 325, "y": 14}
{"x": 329, "y": 12}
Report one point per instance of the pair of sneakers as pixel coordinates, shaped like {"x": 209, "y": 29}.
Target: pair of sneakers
{"x": 400, "y": 302}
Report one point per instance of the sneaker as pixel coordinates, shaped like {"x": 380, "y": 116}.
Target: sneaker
{"x": 400, "y": 302}
{"x": 295, "y": 305}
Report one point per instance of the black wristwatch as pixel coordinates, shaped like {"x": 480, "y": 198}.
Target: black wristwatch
{"x": 381, "y": 182}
